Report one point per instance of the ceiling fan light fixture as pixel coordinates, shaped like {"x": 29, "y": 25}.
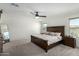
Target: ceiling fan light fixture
{"x": 36, "y": 17}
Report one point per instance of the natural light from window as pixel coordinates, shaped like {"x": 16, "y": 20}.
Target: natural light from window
{"x": 74, "y": 27}
{"x": 74, "y": 23}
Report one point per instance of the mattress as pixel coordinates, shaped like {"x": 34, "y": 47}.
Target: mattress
{"x": 49, "y": 38}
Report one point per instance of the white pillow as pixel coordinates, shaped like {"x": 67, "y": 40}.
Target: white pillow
{"x": 58, "y": 34}
{"x": 55, "y": 34}
{"x": 47, "y": 33}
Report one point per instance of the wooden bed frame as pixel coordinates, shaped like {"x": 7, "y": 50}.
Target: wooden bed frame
{"x": 43, "y": 43}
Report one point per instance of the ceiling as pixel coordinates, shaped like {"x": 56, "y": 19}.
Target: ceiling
{"x": 44, "y": 8}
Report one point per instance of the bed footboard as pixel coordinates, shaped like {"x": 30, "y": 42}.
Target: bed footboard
{"x": 40, "y": 42}
{"x": 43, "y": 43}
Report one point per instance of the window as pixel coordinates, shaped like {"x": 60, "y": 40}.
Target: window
{"x": 74, "y": 27}
{"x": 6, "y": 35}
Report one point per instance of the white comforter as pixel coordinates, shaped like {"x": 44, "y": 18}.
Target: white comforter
{"x": 49, "y": 38}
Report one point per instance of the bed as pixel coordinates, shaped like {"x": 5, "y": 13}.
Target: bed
{"x": 41, "y": 42}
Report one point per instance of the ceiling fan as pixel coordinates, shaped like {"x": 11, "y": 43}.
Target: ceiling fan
{"x": 14, "y": 4}
{"x": 36, "y": 14}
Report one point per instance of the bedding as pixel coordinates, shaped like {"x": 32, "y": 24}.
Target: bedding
{"x": 55, "y": 33}
{"x": 49, "y": 38}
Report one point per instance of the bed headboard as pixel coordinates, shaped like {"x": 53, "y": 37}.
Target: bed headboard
{"x": 56, "y": 29}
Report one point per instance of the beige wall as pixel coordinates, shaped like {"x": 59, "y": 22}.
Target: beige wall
{"x": 20, "y": 25}
{"x": 63, "y": 19}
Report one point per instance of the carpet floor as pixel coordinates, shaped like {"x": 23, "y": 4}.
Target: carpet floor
{"x": 30, "y": 49}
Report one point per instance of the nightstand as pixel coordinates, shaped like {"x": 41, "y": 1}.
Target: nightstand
{"x": 69, "y": 41}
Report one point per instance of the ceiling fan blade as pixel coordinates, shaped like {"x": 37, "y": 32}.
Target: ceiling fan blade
{"x": 32, "y": 13}
{"x": 42, "y": 16}
{"x": 14, "y": 4}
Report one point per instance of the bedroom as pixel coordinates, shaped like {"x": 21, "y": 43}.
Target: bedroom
{"x": 18, "y": 20}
